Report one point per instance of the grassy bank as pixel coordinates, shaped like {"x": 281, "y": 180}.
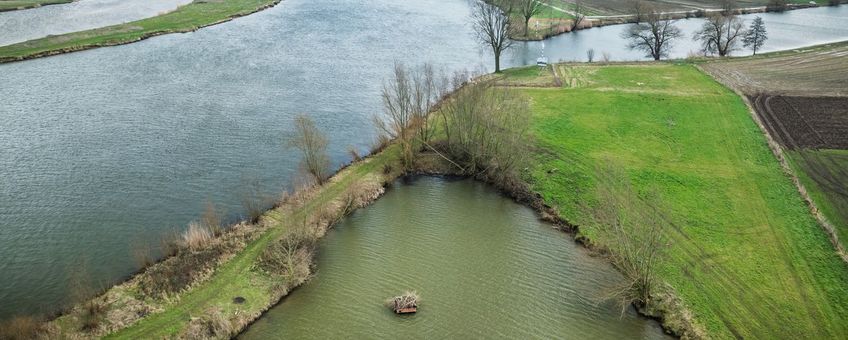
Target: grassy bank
{"x": 235, "y": 288}
{"x": 744, "y": 253}
{"x": 198, "y": 14}
{"x": 13, "y": 5}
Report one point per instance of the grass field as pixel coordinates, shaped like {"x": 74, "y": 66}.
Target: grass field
{"x": 745, "y": 255}
{"x": 187, "y": 18}
{"x": 800, "y": 96}
{"x": 11, "y": 5}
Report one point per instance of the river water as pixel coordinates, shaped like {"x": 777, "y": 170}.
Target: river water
{"x": 484, "y": 266}
{"x": 18, "y": 26}
{"x": 107, "y": 150}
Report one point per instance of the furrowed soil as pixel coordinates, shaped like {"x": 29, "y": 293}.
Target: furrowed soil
{"x": 801, "y": 98}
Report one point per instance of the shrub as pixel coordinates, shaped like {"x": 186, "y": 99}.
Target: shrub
{"x": 21, "y": 328}
{"x": 290, "y": 256}
{"x": 353, "y": 153}
{"x": 211, "y": 325}
{"x": 179, "y": 272}
{"x": 93, "y": 314}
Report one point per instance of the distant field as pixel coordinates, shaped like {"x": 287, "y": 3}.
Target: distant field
{"x": 802, "y": 98}
{"x": 745, "y": 254}
{"x": 813, "y": 71}
{"x": 11, "y": 5}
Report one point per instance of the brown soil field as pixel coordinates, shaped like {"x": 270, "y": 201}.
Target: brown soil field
{"x": 805, "y": 122}
{"x": 814, "y": 71}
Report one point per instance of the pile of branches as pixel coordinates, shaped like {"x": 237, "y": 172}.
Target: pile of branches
{"x": 407, "y": 300}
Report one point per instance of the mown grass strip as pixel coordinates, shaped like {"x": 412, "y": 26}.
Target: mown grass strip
{"x": 198, "y": 14}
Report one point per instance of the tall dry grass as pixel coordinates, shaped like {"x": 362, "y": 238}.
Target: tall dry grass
{"x": 22, "y": 328}
{"x": 197, "y": 236}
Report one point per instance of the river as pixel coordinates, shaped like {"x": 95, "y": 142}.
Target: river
{"x": 484, "y": 266}
{"x": 19, "y": 26}
{"x": 108, "y": 150}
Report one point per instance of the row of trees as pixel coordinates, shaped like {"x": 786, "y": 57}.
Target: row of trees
{"x": 721, "y": 33}
{"x": 653, "y": 33}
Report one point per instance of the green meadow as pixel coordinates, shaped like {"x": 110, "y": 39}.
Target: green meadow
{"x": 743, "y": 253}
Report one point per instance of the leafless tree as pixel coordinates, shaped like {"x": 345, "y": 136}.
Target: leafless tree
{"x": 590, "y": 54}
{"x": 493, "y": 26}
{"x": 652, "y": 36}
{"x": 633, "y": 231}
{"x": 579, "y": 14}
{"x": 408, "y": 98}
{"x": 313, "y": 147}
{"x": 606, "y": 57}
{"x": 720, "y": 34}
{"x": 486, "y": 128}
{"x": 528, "y": 9}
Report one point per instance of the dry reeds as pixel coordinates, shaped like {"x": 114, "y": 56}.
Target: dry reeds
{"x": 21, "y": 328}
{"x": 196, "y": 236}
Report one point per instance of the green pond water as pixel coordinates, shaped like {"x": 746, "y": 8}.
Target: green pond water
{"x": 484, "y": 266}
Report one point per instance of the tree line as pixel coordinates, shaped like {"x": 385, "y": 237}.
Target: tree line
{"x": 653, "y": 32}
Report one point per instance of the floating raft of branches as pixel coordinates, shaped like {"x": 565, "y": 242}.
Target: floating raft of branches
{"x": 404, "y": 304}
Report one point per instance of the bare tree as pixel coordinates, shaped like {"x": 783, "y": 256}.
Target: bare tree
{"x": 633, "y": 231}
{"x": 313, "y": 147}
{"x": 408, "y": 98}
{"x": 579, "y": 14}
{"x": 528, "y": 9}
{"x": 756, "y": 35}
{"x": 652, "y": 36}
{"x": 493, "y": 27}
{"x": 590, "y": 54}
{"x": 487, "y": 128}
{"x": 720, "y": 34}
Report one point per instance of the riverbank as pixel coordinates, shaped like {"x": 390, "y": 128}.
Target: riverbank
{"x": 554, "y": 25}
{"x": 744, "y": 253}
{"x": 191, "y": 17}
{"x": 16, "y": 5}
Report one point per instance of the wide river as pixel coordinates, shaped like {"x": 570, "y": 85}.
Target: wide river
{"x": 108, "y": 150}
{"x": 484, "y": 266}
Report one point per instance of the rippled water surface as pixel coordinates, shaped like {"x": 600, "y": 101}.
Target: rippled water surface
{"x": 484, "y": 266}
{"x": 18, "y": 26}
{"x": 103, "y": 152}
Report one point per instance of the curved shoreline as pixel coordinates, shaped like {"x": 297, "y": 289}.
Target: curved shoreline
{"x": 188, "y": 18}
{"x": 35, "y": 5}
{"x": 609, "y": 20}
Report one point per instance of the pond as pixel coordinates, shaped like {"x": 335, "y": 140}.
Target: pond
{"x": 484, "y": 266}
{"x": 19, "y": 26}
{"x": 103, "y": 152}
